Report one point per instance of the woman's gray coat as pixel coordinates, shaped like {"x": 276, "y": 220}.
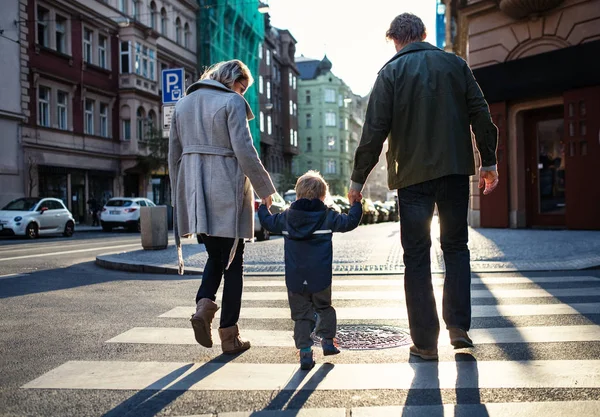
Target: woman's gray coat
{"x": 213, "y": 165}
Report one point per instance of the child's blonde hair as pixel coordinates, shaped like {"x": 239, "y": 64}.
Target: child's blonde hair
{"x": 311, "y": 186}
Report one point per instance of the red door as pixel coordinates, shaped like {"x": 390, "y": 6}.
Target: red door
{"x": 582, "y": 137}
{"x": 494, "y": 206}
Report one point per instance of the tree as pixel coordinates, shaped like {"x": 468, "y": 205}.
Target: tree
{"x": 32, "y": 174}
{"x": 156, "y": 162}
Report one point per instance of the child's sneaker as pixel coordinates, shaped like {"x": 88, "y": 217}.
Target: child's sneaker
{"x": 306, "y": 360}
{"x": 329, "y": 347}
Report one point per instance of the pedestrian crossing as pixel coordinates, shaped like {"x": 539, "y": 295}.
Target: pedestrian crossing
{"x": 554, "y": 300}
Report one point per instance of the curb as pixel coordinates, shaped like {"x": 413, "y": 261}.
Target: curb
{"x": 110, "y": 262}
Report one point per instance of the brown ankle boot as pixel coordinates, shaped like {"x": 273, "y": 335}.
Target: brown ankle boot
{"x": 231, "y": 341}
{"x": 202, "y": 321}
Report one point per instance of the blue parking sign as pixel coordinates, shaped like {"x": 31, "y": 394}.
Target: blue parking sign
{"x": 172, "y": 85}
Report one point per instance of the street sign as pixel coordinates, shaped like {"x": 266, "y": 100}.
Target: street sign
{"x": 172, "y": 85}
{"x": 167, "y": 117}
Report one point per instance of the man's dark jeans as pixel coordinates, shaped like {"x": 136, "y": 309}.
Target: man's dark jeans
{"x": 218, "y": 249}
{"x": 451, "y": 193}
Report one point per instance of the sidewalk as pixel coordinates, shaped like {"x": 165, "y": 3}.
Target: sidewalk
{"x": 376, "y": 249}
{"x": 87, "y": 228}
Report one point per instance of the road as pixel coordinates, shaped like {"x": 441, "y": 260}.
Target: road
{"x": 77, "y": 340}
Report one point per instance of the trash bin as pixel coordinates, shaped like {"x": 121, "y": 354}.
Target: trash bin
{"x": 153, "y": 222}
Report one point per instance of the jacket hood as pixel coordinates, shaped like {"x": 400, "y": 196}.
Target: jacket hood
{"x": 412, "y": 47}
{"x": 217, "y": 86}
{"x": 304, "y": 217}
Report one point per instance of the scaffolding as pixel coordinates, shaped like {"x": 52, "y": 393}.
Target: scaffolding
{"x": 232, "y": 29}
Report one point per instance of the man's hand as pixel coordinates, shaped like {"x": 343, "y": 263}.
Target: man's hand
{"x": 268, "y": 201}
{"x": 354, "y": 196}
{"x": 489, "y": 180}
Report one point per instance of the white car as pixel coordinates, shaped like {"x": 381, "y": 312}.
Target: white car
{"x": 279, "y": 205}
{"x": 123, "y": 212}
{"x": 36, "y": 216}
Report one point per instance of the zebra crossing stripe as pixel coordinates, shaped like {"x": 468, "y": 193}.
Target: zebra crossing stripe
{"x": 522, "y": 409}
{"x": 309, "y": 412}
{"x": 399, "y": 281}
{"x": 121, "y": 375}
{"x": 281, "y": 338}
{"x": 393, "y": 313}
{"x": 399, "y": 295}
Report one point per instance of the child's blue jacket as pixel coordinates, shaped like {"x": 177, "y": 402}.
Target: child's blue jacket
{"x": 307, "y": 228}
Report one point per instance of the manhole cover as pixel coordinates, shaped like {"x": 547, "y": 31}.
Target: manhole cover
{"x": 365, "y": 337}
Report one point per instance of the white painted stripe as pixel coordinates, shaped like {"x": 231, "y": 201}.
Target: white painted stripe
{"x": 392, "y": 313}
{"x": 12, "y": 276}
{"x": 399, "y": 282}
{"x": 400, "y": 295}
{"x": 284, "y": 338}
{"x": 61, "y": 244}
{"x": 522, "y": 409}
{"x": 305, "y": 412}
{"x": 121, "y": 375}
{"x": 39, "y": 255}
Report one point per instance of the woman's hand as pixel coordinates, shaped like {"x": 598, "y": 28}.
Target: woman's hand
{"x": 268, "y": 201}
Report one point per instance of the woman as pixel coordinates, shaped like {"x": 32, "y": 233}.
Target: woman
{"x": 213, "y": 167}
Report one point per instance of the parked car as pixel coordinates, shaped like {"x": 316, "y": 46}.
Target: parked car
{"x": 123, "y": 212}
{"x": 36, "y": 216}
{"x": 370, "y": 213}
{"x": 342, "y": 202}
{"x": 393, "y": 209}
{"x": 279, "y": 205}
{"x": 289, "y": 196}
{"x": 382, "y": 211}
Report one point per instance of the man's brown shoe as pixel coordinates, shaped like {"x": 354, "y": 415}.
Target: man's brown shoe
{"x": 459, "y": 338}
{"x": 231, "y": 342}
{"x": 427, "y": 354}
{"x": 202, "y": 321}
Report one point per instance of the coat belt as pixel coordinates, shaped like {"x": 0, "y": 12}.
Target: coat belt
{"x": 207, "y": 150}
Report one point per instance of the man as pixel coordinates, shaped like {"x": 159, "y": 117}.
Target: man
{"x": 426, "y": 100}
{"x": 93, "y": 205}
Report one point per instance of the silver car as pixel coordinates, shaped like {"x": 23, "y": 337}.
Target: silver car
{"x": 36, "y": 216}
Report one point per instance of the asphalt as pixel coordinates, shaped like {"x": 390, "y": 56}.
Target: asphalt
{"x": 376, "y": 249}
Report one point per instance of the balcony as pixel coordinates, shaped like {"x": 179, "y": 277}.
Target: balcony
{"x": 518, "y": 9}
{"x": 137, "y": 82}
{"x": 291, "y": 149}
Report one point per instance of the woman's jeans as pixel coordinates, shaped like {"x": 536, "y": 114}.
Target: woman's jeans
{"x": 451, "y": 194}
{"x": 218, "y": 249}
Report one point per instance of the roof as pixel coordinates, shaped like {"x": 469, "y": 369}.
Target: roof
{"x": 307, "y": 68}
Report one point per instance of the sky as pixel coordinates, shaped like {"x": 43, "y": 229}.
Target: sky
{"x": 350, "y": 32}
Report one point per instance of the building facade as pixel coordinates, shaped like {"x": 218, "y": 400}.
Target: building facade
{"x": 533, "y": 61}
{"x": 92, "y": 96}
{"x": 232, "y": 30}
{"x": 324, "y": 119}
{"x": 278, "y": 97}
{"x": 12, "y": 110}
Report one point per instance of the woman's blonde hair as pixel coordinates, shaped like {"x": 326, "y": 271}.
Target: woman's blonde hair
{"x": 228, "y": 72}
{"x": 312, "y": 186}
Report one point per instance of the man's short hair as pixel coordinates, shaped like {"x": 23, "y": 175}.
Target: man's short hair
{"x": 311, "y": 186}
{"x": 406, "y": 28}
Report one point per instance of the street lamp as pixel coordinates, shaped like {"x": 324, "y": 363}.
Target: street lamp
{"x": 263, "y": 7}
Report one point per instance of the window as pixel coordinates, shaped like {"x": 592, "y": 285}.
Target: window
{"x": 346, "y": 123}
{"x": 123, "y": 6}
{"x": 104, "y": 120}
{"x": 151, "y": 64}
{"x": 291, "y": 108}
{"x": 330, "y": 119}
{"x": 145, "y": 61}
{"x": 260, "y": 51}
{"x": 87, "y": 45}
{"x": 136, "y": 10}
{"x": 269, "y": 90}
{"x": 294, "y": 86}
{"x": 153, "y": 15}
{"x": 186, "y": 36}
{"x": 295, "y": 138}
{"x": 307, "y": 96}
{"x": 330, "y": 167}
{"x": 178, "y": 30}
{"x": 295, "y": 109}
{"x": 308, "y": 120}
{"x": 151, "y": 123}
{"x": 102, "y": 44}
{"x": 141, "y": 116}
{"x": 347, "y": 146}
{"x": 125, "y": 58}
{"x": 163, "y": 21}
{"x": 292, "y": 137}
{"x": 260, "y": 84}
{"x": 43, "y": 17}
{"x": 330, "y": 143}
{"x": 268, "y": 59}
{"x": 340, "y": 100}
{"x": 269, "y": 125}
{"x": 61, "y": 109}
{"x": 262, "y": 122}
{"x": 60, "y": 30}
{"x": 89, "y": 117}
{"x": 290, "y": 78}
{"x": 329, "y": 95}
{"x": 308, "y": 144}
{"x": 126, "y": 129}
{"x": 44, "y": 106}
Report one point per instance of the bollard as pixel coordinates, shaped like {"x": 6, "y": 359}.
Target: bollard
{"x": 154, "y": 231}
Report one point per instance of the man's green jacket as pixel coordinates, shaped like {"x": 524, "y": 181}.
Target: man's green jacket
{"x": 425, "y": 100}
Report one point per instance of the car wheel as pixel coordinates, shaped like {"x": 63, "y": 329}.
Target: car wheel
{"x": 31, "y": 232}
{"x": 106, "y": 228}
{"x": 262, "y": 235}
{"x": 69, "y": 229}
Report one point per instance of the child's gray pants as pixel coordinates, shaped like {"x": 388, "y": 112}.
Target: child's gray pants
{"x": 303, "y": 306}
